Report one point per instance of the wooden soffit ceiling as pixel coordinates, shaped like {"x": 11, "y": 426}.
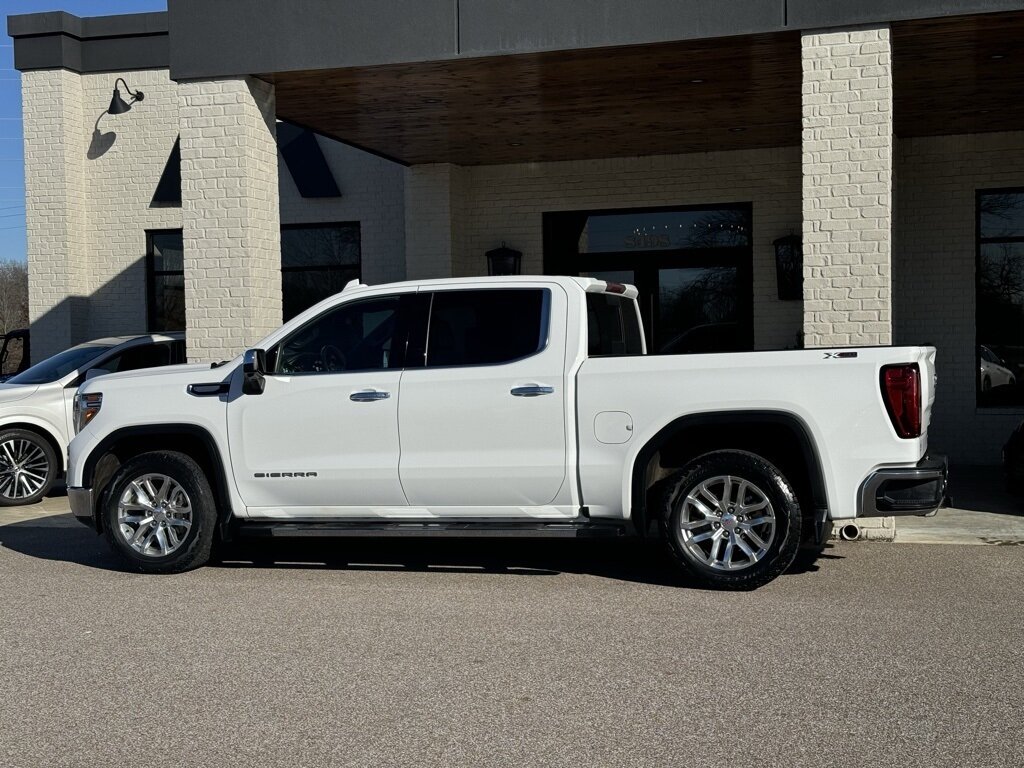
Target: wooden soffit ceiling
{"x": 695, "y": 96}
{"x": 959, "y": 75}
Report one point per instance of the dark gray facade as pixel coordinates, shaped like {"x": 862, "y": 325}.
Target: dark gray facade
{"x": 202, "y": 39}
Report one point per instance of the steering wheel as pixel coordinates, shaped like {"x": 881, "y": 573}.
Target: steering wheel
{"x": 333, "y": 358}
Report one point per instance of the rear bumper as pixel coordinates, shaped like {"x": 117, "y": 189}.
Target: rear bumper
{"x": 919, "y": 490}
{"x": 82, "y": 505}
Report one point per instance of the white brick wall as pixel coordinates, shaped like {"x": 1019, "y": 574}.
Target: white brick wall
{"x": 506, "y": 203}
{"x": 435, "y": 219}
{"x": 56, "y": 210}
{"x": 230, "y": 215}
{"x": 371, "y": 193}
{"x": 123, "y": 163}
{"x": 934, "y": 276}
{"x": 847, "y": 186}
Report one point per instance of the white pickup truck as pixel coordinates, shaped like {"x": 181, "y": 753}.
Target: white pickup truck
{"x": 517, "y": 407}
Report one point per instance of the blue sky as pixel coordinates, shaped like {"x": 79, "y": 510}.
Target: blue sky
{"x": 12, "y": 162}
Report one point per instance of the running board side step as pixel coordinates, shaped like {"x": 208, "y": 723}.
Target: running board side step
{"x": 433, "y": 528}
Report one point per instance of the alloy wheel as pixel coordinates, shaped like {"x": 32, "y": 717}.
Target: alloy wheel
{"x": 154, "y": 515}
{"x": 24, "y": 468}
{"x": 726, "y": 523}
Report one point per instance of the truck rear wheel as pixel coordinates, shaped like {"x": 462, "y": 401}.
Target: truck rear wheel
{"x": 159, "y": 513}
{"x": 731, "y": 520}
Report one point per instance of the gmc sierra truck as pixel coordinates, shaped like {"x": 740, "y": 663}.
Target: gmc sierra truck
{"x": 522, "y": 406}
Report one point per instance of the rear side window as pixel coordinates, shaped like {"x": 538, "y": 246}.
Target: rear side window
{"x": 613, "y": 329}
{"x": 485, "y": 327}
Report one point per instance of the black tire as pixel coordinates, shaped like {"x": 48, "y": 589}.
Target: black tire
{"x": 195, "y": 546}
{"x": 23, "y": 439}
{"x": 765, "y": 479}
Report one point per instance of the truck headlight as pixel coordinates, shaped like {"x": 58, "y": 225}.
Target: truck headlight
{"x": 85, "y": 409}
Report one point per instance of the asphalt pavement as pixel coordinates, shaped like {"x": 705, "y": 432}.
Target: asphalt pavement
{"x": 497, "y": 653}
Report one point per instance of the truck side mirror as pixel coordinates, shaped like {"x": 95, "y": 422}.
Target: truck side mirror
{"x": 254, "y": 366}
{"x": 92, "y": 373}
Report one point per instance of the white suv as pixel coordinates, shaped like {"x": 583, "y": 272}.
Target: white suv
{"x": 36, "y": 407}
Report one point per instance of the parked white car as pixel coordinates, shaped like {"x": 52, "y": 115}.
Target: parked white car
{"x": 992, "y": 370}
{"x": 522, "y": 406}
{"x": 36, "y": 407}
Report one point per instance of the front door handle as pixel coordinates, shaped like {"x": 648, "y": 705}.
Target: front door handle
{"x": 532, "y": 390}
{"x": 368, "y": 396}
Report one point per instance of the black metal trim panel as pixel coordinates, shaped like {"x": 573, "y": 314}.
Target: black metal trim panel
{"x": 203, "y": 39}
{"x": 59, "y": 40}
{"x": 918, "y": 490}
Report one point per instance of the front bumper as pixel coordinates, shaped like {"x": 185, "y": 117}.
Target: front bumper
{"x": 919, "y": 490}
{"x": 82, "y": 506}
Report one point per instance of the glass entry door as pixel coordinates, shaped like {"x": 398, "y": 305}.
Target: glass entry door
{"x": 692, "y": 267}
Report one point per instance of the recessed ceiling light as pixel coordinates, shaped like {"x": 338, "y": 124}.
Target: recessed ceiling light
{"x": 997, "y": 56}
{"x": 697, "y": 80}
{"x": 431, "y": 101}
{"x": 515, "y": 143}
{"x": 737, "y": 130}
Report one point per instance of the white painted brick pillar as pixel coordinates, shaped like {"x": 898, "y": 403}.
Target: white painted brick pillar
{"x": 56, "y": 137}
{"x": 434, "y": 227}
{"x": 847, "y": 186}
{"x": 230, "y": 215}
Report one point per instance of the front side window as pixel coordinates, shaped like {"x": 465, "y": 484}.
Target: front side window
{"x": 139, "y": 356}
{"x": 357, "y": 336}
{"x": 165, "y": 280}
{"x": 485, "y": 327}
{"x": 1000, "y": 298}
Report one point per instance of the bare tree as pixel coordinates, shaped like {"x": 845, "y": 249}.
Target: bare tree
{"x": 13, "y": 295}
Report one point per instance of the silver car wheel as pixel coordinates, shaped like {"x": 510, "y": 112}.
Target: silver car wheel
{"x": 154, "y": 515}
{"x": 24, "y": 468}
{"x": 726, "y": 523}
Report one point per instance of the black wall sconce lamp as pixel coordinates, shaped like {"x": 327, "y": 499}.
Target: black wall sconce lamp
{"x": 504, "y": 261}
{"x": 789, "y": 267}
{"x": 118, "y": 105}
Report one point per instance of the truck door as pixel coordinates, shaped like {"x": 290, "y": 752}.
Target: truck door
{"x": 322, "y": 439}
{"x": 483, "y": 422}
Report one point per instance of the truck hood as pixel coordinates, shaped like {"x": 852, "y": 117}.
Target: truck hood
{"x": 166, "y": 371}
{"x": 12, "y": 393}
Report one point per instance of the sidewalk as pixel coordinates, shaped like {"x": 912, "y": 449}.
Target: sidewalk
{"x": 983, "y": 512}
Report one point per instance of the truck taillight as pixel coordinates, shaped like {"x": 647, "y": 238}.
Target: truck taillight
{"x": 901, "y": 390}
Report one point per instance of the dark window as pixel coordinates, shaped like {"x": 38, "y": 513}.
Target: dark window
{"x": 165, "y": 280}
{"x": 1000, "y": 297}
{"x": 613, "y": 329}
{"x": 485, "y": 327}
{"x": 317, "y": 261}
{"x": 141, "y": 356}
{"x": 693, "y": 268}
{"x": 356, "y": 336}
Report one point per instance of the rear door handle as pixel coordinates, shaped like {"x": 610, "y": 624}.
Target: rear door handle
{"x": 532, "y": 390}
{"x": 368, "y": 396}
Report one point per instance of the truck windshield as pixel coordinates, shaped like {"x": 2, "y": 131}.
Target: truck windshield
{"x": 59, "y": 365}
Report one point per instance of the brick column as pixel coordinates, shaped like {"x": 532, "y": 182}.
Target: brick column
{"x": 434, "y": 230}
{"x": 55, "y": 200}
{"x": 847, "y": 186}
{"x": 230, "y": 215}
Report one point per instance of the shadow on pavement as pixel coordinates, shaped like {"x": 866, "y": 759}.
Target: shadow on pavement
{"x": 61, "y": 538}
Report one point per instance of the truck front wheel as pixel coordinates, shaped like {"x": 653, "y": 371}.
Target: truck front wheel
{"x": 731, "y": 519}
{"x": 159, "y": 513}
